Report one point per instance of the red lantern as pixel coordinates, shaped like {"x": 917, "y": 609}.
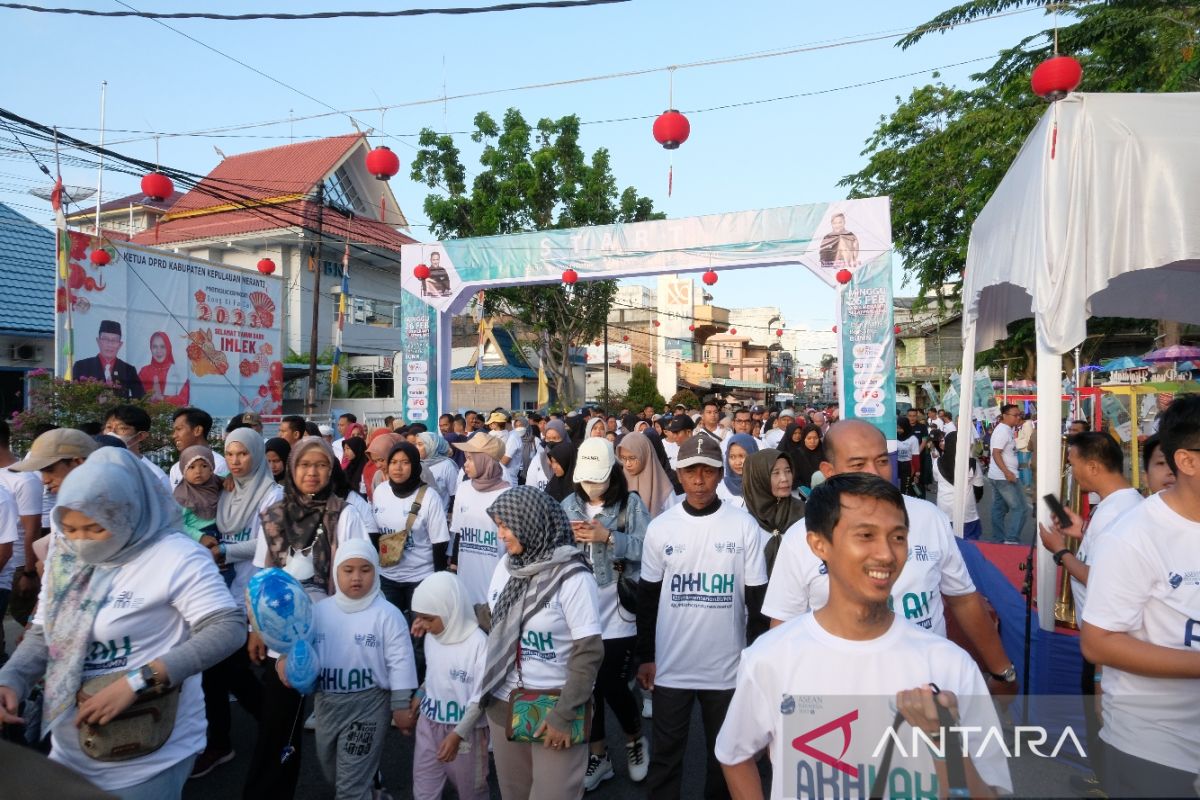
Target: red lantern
{"x": 671, "y": 129}
{"x": 569, "y": 276}
{"x": 733, "y": 331}
{"x": 896, "y": 330}
{"x": 1056, "y": 77}
{"x": 835, "y": 328}
{"x": 266, "y": 266}
{"x": 844, "y": 276}
{"x": 421, "y": 272}
{"x": 157, "y": 187}
{"x": 691, "y": 327}
{"x": 625, "y": 338}
{"x": 657, "y": 323}
{"x": 383, "y": 163}
{"x": 779, "y": 331}
{"x": 709, "y": 278}
{"x": 100, "y": 257}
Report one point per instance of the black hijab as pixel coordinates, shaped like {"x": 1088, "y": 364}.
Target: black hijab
{"x": 354, "y": 467}
{"x": 805, "y": 462}
{"x": 414, "y": 477}
{"x": 947, "y": 460}
{"x": 563, "y": 454}
{"x": 283, "y": 449}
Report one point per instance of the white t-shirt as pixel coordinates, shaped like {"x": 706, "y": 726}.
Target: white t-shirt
{"x": 548, "y": 637}
{"x": 442, "y": 476}
{"x": 1146, "y": 582}
{"x": 1100, "y": 527}
{"x": 365, "y": 511}
{"x": 935, "y": 567}
{"x": 535, "y": 476}
{"x": 736, "y": 500}
{"x": 799, "y": 677}
{"x": 338, "y": 446}
{"x": 451, "y": 671}
{"x": 147, "y": 613}
{"x": 429, "y": 528}
{"x": 176, "y": 474}
{"x": 616, "y": 621}
{"x": 1004, "y": 441}
{"x": 158, "y": 473}
{"x": 772, "y": 438}
{"x": 705, "y": 564}
{"x": 512, "y": 449}
{"x": 349, "y": 526}
{"x": 477, "y": 544}
{"x": 369, "y": 649}
{"x": 672, "y": 451}
{"x": 244, "y": 570}
{"x": 26, "y": 490}
{"x": 945, "y": 493}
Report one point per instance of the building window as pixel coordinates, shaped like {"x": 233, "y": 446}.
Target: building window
{"x": 340, "y": 193}
{"x": 369, "y": 311}
{"x": 728, "y": 352}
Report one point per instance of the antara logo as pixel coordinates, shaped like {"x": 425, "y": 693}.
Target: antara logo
{"x": 842, "y": 723}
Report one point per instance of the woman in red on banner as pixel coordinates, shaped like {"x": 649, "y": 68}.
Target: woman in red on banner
{"x": 162, "y": 378}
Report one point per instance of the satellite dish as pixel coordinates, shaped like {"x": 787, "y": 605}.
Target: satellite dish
{"x": 70, "y": 194}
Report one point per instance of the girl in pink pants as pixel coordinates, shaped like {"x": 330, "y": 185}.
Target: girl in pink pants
{"x": 452, "y": 735}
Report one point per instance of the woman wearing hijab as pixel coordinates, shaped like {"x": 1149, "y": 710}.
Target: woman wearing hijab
{"x": 162, "y": 378}
{"x": 943, "y": 473}
{"x": 377, "y": 451}
{"x": 477, "y": 547}
{"x": 609, "y": 523}
{"x": 545, "y": 633}
{"x": 437, "y": 468}
{"x": 238, "y": 512}
{"x": 118, "y": 528}
{"x": 454, "y": 645}
{"x": 198, "y": 494}
{"x": 660, "y": 451}
{"x": 562, "y": 466}
{"x": 371, "y": 470}
{"x": 354, "y": 461}
{"x": 595, "y": 426}
{"x": 738, "y": 448}
{"x": 645, "y": 474}
{"x": 767, "y": 489}
{"x": 806, "y": 455}
{"x": 540, "y": 472}
{"x": 278, "y": 451}
{"x": 300, "y": 534}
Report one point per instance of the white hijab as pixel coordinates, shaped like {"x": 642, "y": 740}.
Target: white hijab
{"x": 355, "y": 548}
{"x": 442, "y": 595}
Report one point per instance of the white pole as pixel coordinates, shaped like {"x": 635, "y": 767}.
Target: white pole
{"x": 1049, "y": 468}
{"x": 1077, "y": 410}
{"x": 962, "y": 452}
{"x": 100, "y": 169}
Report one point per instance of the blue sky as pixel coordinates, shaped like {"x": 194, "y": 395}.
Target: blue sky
{"x": 756, "y": 156}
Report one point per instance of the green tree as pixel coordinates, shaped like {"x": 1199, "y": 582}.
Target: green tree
{"x": 685, "y": 396}
{"x": 533, "y": 178}
{"x": 643, "y": 389}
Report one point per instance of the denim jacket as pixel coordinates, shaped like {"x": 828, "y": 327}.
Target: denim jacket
{"x": 626, "y": 544}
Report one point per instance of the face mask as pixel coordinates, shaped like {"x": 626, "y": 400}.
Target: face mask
{"x": 93, "y": 551}
{"x": 595, "y": 490}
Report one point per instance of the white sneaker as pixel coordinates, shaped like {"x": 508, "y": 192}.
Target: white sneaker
{"x": 599, "y": 768}
{"x": 310, "y": 724}
{"x": 639, "y": 760}
{"x": 647, "y": 706}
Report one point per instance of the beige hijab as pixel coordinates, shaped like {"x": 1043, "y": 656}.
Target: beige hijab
{"x": 650, "y": 480}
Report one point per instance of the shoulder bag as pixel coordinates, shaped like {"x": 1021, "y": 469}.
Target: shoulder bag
{"x": 137, "y": 731}
{"x": 391, "y": 545}
{"x": 529, "y": 708}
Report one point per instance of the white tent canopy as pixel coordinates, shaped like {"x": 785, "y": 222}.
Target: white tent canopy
{"x": 1099, "y": 215}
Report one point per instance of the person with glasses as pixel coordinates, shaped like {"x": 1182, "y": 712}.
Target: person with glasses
{"x": 1009, "y": 506}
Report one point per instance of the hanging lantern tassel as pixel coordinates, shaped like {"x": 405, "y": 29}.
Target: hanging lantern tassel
{"x": 670, "y": 176}
{"x": 1054, "y": 134}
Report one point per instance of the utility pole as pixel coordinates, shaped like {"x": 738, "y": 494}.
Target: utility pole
{"x": 605, "y": 359}
{"x": 310, "y": 403}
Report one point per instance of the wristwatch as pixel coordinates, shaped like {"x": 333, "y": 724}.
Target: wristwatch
{"x": 141, "y": 680}
{"x": 1058, "y": 557}
{"x": 1008, "y": 676}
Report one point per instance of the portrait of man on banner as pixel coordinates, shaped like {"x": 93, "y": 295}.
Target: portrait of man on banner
{"x": 106, "y": 366}
{"x": 839, "y": 247}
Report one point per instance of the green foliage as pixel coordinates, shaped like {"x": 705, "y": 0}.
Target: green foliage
{"x": 942, "y": 152}
{"x": 610, "y": 400}
{"x": 687, "y": 397}
{"x": 68, "y": 404}
{"x": 324, "y": 357}
{"x": 643, "y": 389}
{"x": 533, "y": 178}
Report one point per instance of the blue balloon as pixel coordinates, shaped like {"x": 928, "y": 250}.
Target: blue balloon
{"x": 302, "y": 667}
{"x": 280, "y": 610}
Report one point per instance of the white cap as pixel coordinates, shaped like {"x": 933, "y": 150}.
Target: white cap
{"x": 594, "y": 461}
{"x": 325, "y": 430}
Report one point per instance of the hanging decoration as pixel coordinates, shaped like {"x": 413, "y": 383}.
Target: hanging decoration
{"x": 779, "y": 331}
{"x": 569, "y": 277}
{"x": 709, "y": 278}
{"x": 896, "y": 330}
{"x": 692, "y": 327}
{"x": 1054, "y": 79}
{"x": 157, "y": 187}
{"x": 625, "y": 338}
{"x": 657, "y": 323}
{"x": 266, "y": 266}
{"x": 671, "y": 129}
{"x": 383, "y": 163}
{"x": 733, "y": 331}
{"x": 844, "y": 276}
{"x": 421, "y": 272}
{"x": 99, "y": 256}
{"x": 835, "y": 328}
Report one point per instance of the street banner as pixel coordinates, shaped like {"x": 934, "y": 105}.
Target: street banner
{"x": 415, "y": 368}
{"x": 867, "y": 343}
{"x": 174, "y": 328}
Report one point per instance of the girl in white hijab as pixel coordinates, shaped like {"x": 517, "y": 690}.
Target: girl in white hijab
{"x": 367, "y": 672}
{"x": 449, "y": 746}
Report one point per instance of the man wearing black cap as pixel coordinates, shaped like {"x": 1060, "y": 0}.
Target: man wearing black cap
{"x": 677, "y": 431}
{"x": 105, "y": 366}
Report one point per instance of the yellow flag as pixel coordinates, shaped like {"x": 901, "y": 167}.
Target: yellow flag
{"x": 543, "y": 397}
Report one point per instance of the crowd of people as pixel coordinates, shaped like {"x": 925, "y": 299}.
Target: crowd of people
{"x": 494, "y": 587}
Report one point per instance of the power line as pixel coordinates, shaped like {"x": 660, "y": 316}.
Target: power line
{"x": 408, "y": 12}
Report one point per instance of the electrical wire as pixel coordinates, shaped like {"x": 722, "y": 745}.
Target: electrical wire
{"x": 408, "y": 12}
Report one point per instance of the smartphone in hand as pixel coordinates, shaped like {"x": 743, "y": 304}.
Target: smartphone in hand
{"x": 1056, "y": 508}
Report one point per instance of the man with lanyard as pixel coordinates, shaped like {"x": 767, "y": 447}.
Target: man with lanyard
{"x": 849, "y": 667}
{"x": 935, "y": 568}
{"x": 1009, "y": 508}
{"x": 710, "y": 418}
{"x": 1142, "y": 624}
{"x": 1098, "y": 466}
{"x": 699, "y": 596}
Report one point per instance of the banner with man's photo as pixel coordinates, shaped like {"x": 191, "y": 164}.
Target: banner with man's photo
{"x": 160, "y": 325}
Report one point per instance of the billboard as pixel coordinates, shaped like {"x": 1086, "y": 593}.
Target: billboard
{"x": 415, "y": 365}
{"x": 161, "y": 325}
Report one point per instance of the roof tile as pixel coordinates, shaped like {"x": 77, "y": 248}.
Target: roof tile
{"x": 27, "y": 267}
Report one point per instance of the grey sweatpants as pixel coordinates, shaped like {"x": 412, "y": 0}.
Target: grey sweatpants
{"x": 532, "y": 771}
{"x": 351, "y": 729}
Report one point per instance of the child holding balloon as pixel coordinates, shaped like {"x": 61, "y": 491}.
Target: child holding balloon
{"x": 366, "y": 672}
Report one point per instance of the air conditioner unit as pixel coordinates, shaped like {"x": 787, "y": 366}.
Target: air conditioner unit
{"x": 23, "y": 352}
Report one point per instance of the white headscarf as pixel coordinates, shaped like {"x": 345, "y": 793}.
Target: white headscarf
{"x": 236, "y": 509}
{"x": 442, "y": 595}
{"x": 356, "y": 548}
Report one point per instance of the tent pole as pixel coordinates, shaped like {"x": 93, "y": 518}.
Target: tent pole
{"x": 1049, "y": 468}
{"x": 962, "y": 453}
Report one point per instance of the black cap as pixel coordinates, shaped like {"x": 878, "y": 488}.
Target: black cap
{"x": 110, "y": 326}
{"x": 681, "y": 423}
